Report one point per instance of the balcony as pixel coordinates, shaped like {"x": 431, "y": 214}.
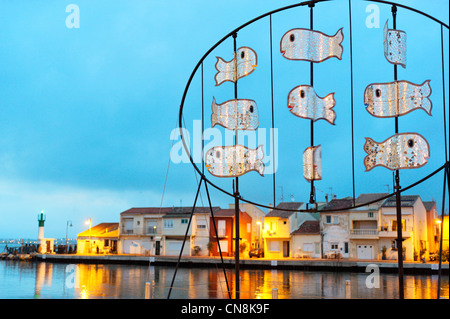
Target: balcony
{"x": 364, "y": 234}
{"x": 139, "y": 231}
{"x": 389, "y": 231}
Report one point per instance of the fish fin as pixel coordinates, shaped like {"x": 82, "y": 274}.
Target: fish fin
{"x": 426, "y": 91}
{"x": 214, "y": 115}
{"x": 370, "y": 159}
{"x": 337, "y": 39}
{"x": 260, "y": 152}
{"x": 220, "y": 76}
{"x": 330, "y": 102}
{"x": 259, "y": 166}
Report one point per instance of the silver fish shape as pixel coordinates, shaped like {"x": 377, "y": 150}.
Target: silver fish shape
{"x": 244, "y": 63}
{"x": 397, "y": 98}
{"x": 394, "y": 45}
{"x": 234, "y": 161}
{"x": 305, "y": 103}
{"x": 312, "y": 163}
{"x": 400, "y": 151}
{"x": 236, "y": 114}
{"x": 309, "y": 45}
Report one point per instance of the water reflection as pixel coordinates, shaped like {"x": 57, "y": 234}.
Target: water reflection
{"x": 75, "y": 281}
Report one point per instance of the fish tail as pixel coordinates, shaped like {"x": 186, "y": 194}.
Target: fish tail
{"x": 330, "y": 102}
{"x": 337, "y": 40}
{"x": 259, "y": 165}
{"x": 426, "y": 91}
{"x": 214, "y": 115}
{"x": 221, "y": 76}
{"x": 370, "y": 159}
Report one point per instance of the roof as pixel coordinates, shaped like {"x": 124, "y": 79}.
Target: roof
{"x": 167, "y": 210}
{"x": 230, "y": 212}
{"x": 369, "y": 197}
{"x": 342, "y": 203}
{"x": 405, "y": 201}
{"x": 276, "y": 212}
{"x": 429, "y": 205}
{"x": 309, "y": 227}
{"x": 103, "y": 230}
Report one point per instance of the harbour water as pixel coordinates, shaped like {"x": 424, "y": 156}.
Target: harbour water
{"x": 45, "y": 280}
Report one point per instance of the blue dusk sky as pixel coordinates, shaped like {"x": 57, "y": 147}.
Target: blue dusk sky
{"x": 86, "y": 112}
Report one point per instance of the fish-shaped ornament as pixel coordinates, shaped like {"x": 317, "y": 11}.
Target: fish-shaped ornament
{"x": 236, "y": 114}
{"x": 397, "y": 98}
{"x": 312, "y": 163}
{"x": 234, "y": 161}
{"x": 395, "y": 45}
{"x": 400, "y": 151}
{"x": 305, "y": 103}
{"x": 309, "y": 45}
{"x": 244, "y": 63}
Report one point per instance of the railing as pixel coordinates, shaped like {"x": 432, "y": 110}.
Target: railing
{"x": 364, "y": 232}
{"x": 139, "y": 231}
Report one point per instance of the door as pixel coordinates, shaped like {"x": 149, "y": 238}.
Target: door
{"x": 285, "y": 249}
{"x": 364, "y": 252}
{"x": 157, "y": 248}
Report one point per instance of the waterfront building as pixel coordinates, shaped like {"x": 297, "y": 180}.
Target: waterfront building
{"x": 226, "y": 233}
{"x": 306, "y": 240}
{"x": 432, "y": 226}
{"x": 414, "y": 227}
{"x": 100, "y": 239}
{"x": 257, "y": 215}
{"x": 278, "y": 226}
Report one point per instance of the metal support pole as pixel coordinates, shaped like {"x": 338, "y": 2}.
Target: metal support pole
{"x": 446, "y": 172}
{"x": 312, "y": 195}
{"x": 236, "y": 190}
{"x": 397, "y": 192}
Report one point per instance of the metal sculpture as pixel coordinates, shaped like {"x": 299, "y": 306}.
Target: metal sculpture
{"x": 236, "y": 114}
{"x": 397, "y": 98}
{"x": 395, "y": 46}
{"x": 243, "y": 63}
{"x": 305, "y": 103}
{"x": 400, "y": 151}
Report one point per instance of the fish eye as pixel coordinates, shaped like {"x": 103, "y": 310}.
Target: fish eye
{"x": 411, "y": 142}
{"x": 242, "y": 54}
{"x": 378, "y": 92}
{"x": 302, "y": 94}
{"x": 251, "y": 108}
{"x": 217, "y": 154}
{"x": 292, "y": 37}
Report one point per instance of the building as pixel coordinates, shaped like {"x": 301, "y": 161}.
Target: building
{"x": 162, "y": 230}
{"x": 99, "y": 239}
{"x": 257, "y": 215}
{"x": 278, "y": 226}
{"x": 432, "y": 226}
{"x": 364, "y": 225}
{"x": 335, "y": 228}
{"x": 226, "y": 232}
{"x": 306, "y": 240}
{"x": 414, "y": 227}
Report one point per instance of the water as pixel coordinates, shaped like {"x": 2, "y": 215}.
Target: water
{"x": 29, "y": 280}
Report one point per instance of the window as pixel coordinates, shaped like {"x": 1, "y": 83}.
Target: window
{"x": 334, "y": 246}
{"x": 201, "y": 224}
{"x": 168, "y": 223}
{"x": 328, "y": 220}
{"x": 249, "y": 228}
{"x": 185, "y": 221}
{"x": 307, "y": 247}
{"x": 346, "y": 248}
{"x": 274, "y": 246}
{"x": 370, "y": 214}
{"x": 221, "y": 228}
{"x": 335, "y": 220}
{"x": 394, "y": 225}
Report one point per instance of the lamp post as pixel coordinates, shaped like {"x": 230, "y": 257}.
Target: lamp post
{"x": 89, "y": 222}
{"x": 260, "y": 233}
{"x": 69, "y": 223}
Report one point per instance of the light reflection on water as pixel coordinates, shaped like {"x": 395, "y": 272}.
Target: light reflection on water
{"x": 74, "y": 281}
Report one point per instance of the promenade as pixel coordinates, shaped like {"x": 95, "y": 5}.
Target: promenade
{"x": 349, "y": 265}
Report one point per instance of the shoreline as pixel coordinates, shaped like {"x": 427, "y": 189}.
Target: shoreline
{"x": 345, "y": 265}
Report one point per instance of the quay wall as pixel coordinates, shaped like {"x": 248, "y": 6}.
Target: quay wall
{"x": 247, "y": 263}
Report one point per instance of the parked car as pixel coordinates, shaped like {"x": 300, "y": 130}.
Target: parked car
{"x": 258, "y": 252}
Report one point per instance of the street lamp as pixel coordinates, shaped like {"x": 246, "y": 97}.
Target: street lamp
{"x": 260, "y": 233}
{"x": 69, "y": 223}
{"x": 89, "y": 222}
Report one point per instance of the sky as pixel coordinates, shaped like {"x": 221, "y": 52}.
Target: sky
{"x": 87, "y": 109}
